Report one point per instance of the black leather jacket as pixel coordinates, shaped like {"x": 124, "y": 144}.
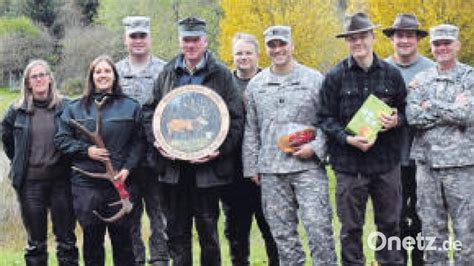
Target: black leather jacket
{"x": 120, "y": 130}
{"x": 220, "y": 170}
{"x": 16, "y": 138}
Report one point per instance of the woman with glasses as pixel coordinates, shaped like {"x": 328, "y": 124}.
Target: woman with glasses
{"x": 120, "y": 130}
{"x": 39, "y": 174}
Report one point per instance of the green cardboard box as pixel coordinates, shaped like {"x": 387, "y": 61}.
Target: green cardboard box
{"x": 366, "y": 121}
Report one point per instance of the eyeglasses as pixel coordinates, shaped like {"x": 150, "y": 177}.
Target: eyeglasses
{"x": 140, "y": 35}
{"x": 38, "y": 76}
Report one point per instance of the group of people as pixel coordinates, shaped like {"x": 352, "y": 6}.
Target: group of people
{"x": 417, "y": 171}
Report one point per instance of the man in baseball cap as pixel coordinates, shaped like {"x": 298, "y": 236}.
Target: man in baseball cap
{"x": 137, "y": 74}
{"x": 295, "y": 181}
{"x": 440, "y": 105}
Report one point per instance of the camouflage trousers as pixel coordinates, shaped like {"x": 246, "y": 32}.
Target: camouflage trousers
{"x": 282, "y": 196}
{"x": 442, "y": 193}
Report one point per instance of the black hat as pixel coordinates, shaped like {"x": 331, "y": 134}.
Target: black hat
{"x": 359, "y": 22}
{"x": 405, "y": 22}
{"x": 191, "y": 27}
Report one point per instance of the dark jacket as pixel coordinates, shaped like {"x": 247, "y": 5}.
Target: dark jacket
{"x": 217, "y": 77}
{"x": 16, "y": 138}
{"x": 120, "y": 130}
{"x": 344, "y": 89}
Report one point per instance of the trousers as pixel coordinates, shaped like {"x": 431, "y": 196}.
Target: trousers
{"x": 36, "y": 198}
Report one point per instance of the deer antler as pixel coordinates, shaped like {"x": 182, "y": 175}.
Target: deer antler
{"x": 110, "y": 172}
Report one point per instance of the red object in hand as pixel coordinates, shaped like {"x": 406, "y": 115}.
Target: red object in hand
{"x": 288, "y": 143}
{"x": 120, "y": 187}
{"x": 301, "y": 137}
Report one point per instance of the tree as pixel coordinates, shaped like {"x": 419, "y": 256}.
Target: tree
{"x": 41, "y": 11}
{"x": 314, "y": 24}
{"x": 21, "y": 41}
{"x": 11, "y": 8}
{"x": 164, "y": 14}
{"x": 80, "y": 46}
{"x": 88, "y": 9}
{"x": 68, "y": 16}
{"x": 20, "y": 25}
{"x": 429, "y": 13}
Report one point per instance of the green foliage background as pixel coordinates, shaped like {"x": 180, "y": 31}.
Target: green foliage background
{"x": 20, "y": 25}
{"x": 164, "y": 15}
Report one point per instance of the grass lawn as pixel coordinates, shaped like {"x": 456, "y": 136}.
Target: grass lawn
{"x": 6, "y": 98}
{"x": 12, "y": 242}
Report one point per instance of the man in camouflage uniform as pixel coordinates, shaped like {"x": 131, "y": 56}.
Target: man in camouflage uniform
{"x": 405, "y": 35}
{"x": 440, "y": 106}
{"x": 283, "y": 99}
{"x": 137, "y": 75}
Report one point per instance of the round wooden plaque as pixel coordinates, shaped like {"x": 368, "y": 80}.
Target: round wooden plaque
{"x": 190, "y": 122}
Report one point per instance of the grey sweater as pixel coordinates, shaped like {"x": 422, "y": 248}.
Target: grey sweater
{"x": 408, "y": 73}
{"x": 43, "y": 154}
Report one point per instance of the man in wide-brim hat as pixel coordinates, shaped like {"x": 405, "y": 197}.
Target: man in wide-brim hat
{"x": 356, "y": 23}
{"x": 364, "y": 168}
{"x": 407, "y": 22}
{"x": 405, "y": 34}
{"x": 357, "y": 28}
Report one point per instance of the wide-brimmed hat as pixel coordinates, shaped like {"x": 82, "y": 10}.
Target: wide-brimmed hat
{"x": 358, "y": 22}
{"x": 405, "y": 22}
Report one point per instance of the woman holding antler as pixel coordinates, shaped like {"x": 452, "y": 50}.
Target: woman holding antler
{"x": 38, "y": 173}
{"x": 101, "y": 132}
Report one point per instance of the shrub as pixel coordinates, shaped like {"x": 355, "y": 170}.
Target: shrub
{"x": 72, "y": 87}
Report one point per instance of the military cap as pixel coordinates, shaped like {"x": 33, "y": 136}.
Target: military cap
{"x": 136, "y": 24}
{"x": 191, "y": 27}
{"x": 405, "y": 22}
{"x": 444, "y": 32}
{"x": 356, "y": 23}
{"x": 282, "y": 33}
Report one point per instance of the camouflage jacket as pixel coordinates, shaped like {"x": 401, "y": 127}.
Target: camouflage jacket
{"x": 278, "y": 105}
{"x": 446, "y": 129}
{"x": 139, "y": 86}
